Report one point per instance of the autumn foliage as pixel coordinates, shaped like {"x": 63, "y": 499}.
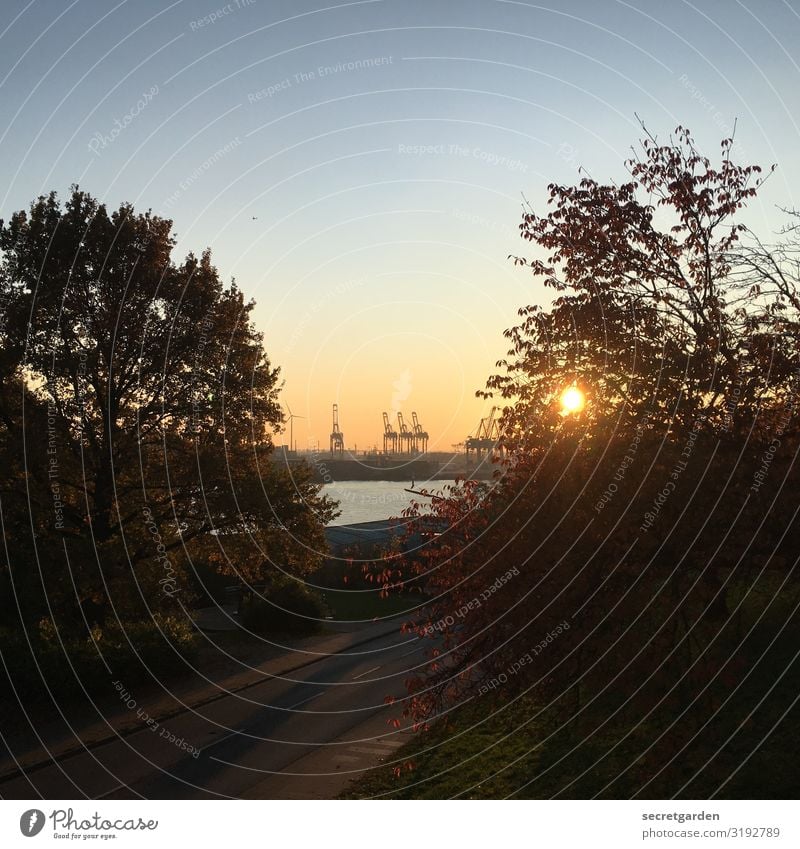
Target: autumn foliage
{"x": 626, "y": 555}
{"x": 137, "y": 411}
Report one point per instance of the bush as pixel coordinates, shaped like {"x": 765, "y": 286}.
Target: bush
{"x": 286, "y": 606}
{"x": 66, "y": 664}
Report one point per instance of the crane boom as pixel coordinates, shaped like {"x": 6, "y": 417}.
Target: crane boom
{"x": 390, "y": 436}
{"x": 337, "y": 437}
{"x": 420, "y": 436}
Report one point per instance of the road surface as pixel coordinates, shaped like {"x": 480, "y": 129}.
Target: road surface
{"x": 303, "y": 736}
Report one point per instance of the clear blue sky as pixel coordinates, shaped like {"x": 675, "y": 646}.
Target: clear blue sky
{"x": 380, "y": 269}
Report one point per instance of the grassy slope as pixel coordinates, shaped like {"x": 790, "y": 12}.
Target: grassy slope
{"x": 492, "y": 750}
{"x": 349, "y": 605}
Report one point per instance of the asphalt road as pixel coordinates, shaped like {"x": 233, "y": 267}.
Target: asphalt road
{"x": 303, "y": 736}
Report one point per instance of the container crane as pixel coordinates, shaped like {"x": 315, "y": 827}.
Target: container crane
{"x": 390, "y": 436}
{"x": 407, "y": 440}
{"x": 486, "y": 438}
{"x": 420, "y": 436}
{"x": 337, "y": 437}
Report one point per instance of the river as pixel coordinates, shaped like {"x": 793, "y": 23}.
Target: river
{"x": 370, "y": 501}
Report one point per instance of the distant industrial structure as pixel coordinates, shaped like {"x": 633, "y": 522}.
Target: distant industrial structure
{"x": 407, "y": 441}
{"x": 485, "y": 440}
{"x": 420, "y": 435}
{"x": 337, "y": 437}
{"x": 405, "y": 452}
{"x": 389, "y": 436}
{"x": 404, "y": 441}
{"x": 292, "y": 417}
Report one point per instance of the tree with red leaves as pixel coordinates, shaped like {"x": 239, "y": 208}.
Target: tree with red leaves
{"x": 608, "y": 559}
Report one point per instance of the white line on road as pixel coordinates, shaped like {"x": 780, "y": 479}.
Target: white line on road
{"x": 415, "y": 649}
{"x": 303, "y": 701}
{"x": 116, "y": 789}
{"x": 244, "y": 730}
{"x": 374, "y": 668}
{"x": 223, "y": 739}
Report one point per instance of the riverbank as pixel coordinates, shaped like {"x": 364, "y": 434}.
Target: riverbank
{"x": 431, "y": 468}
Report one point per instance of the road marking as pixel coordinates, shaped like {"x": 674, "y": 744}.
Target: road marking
{"x": 415, "y": 649}
{"x": 223, "y": 739}
{"x": 303, "y": 701}
{"x": 115, "y": 789}
{"x": 374, "y": 669}
{"x": 12, "y": 775}
{"x": 244, "y": 730}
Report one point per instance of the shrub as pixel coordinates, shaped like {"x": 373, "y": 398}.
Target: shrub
{"x": 286, "y": 606}
{"x": 66, "y": 664}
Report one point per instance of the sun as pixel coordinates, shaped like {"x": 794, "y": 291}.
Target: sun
{"x": 572, "y": 400}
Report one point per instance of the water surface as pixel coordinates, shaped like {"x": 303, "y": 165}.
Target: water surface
{"x": 370, "y": 501}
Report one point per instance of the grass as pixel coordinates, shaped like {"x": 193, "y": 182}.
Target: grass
{"x": 349, "y": 605}
{"x": 495, "y": 749}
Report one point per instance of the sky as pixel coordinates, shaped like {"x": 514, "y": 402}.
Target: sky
{"x": 360, "y": 168}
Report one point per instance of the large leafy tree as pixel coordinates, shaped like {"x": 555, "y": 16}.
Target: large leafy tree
{"x": 142, "y": 400}
{"x": 643, "y": 521}
{"x": 646, "y": 315}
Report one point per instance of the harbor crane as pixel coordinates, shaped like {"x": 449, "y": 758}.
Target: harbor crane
{"x": 407, "y": 439}
{"x": 337, "y": 437}
{"x": 420, "y": 436}
{"x": 390, "y": 436}
{"x": 485, "y": 439}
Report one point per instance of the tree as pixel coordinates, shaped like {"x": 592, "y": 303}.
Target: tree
{"x": 607, "y": 563}
{"x": 159, "y": 402}
{"x": 647, "y": 314}
{"x": 766, "y": 278}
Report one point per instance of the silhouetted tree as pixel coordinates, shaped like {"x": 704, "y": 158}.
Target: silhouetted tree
{"x": 647, "y": 316}
{"x": 140, "y": 395}
{"x": 622, "y": 539}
